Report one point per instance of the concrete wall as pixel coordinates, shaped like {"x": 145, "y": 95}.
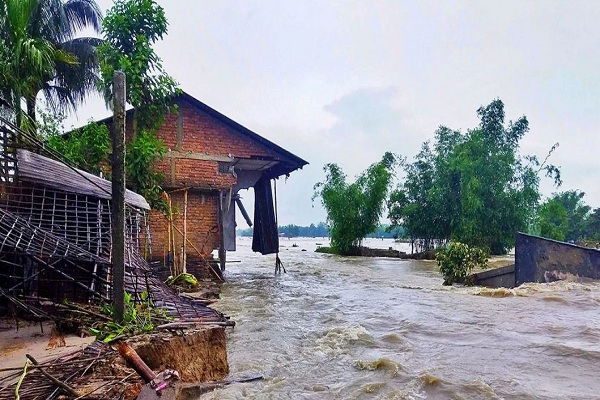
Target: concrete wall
{"x": 544, "y": 260}
{"x": 496, "y": 278}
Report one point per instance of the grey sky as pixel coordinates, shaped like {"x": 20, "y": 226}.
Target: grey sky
{"x": 345, "y": 81}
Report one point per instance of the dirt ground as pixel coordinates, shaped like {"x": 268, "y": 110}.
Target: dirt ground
{"x": 29, "y": 339}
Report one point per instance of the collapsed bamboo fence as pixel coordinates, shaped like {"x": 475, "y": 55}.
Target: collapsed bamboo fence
{"x": 55, "y": 233}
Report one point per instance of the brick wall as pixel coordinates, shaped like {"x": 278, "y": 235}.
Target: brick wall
{"x": 206, "y": 135}
{"x": 202, "y": 228}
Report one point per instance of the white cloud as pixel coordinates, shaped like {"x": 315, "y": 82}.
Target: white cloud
{"x": 345, "y": 81}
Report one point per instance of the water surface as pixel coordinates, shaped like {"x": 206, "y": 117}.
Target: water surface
{"x": 373, "y": 328}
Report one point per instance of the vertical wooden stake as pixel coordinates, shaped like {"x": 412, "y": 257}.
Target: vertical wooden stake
{"x": 173, "y": 246}
{"x": 185, "y": 204}
{"x": 118, "y": 197}
{"x": 221, "y": 215}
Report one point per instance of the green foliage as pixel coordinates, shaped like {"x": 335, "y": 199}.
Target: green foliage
{"x": 320, "y": 230}
{"x": 564, "y": 217}
{"x": 457, "y": 260}
{"x": 142, "y": 154}
{"x": 413, "y": 206}
{"x": 185, "y": 280}
{"x": 326, "y": 250}
{"x": 131, "y": 28}
{"x": 39, "y": 51}
{"x": 592, "y": 225}
{"x": 473, "y": 188}
{"x": 552, "y": 220}
{"x": 290, "y": 231}
{"x": 88, "y": 147}
{"x": 137, "y": 319}
{"x": 353, "y": 210}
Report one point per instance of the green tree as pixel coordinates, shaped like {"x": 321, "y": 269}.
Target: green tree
{"x": 290, "y": 230}
{"x": 552, "y": 220}
{"x": 131, "y": 28}
{"x": 457, "y": 260}
{"x": 87, "y": 147}
{"x": 412, "y": 205}
{"x": 353, "y": 210}
{"x": 592, "y": 225}
{"x": 474, "y": 188}
{"x": 40, "y": 52}
{"x": 563, "y": 216}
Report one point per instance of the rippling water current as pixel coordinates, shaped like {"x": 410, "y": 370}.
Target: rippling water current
{"x": 373, "y": 328}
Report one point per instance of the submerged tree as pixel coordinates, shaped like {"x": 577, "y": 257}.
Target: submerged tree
{"x": 474, "y": 188}
{"x": 354, "y": 209}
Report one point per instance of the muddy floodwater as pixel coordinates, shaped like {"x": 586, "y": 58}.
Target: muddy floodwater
{"x": 373, "y": 328}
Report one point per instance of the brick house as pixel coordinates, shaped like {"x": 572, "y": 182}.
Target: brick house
{"x": 210, "y": 158}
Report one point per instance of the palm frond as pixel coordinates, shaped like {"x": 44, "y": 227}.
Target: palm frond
{"x": 82, "y": 77}
{"x": 39, "y": 51}
{"x": 58, "y": 98}
{"x": 83, "y": 13}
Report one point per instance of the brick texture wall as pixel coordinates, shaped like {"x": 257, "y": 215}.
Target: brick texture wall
{"x": 208, "y": 136}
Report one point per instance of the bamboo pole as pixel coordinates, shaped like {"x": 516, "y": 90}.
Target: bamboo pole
{"x": 221, "y": 215}
{"x": 57, "y": 382}
{"x": 169, "y": 255}
{"x": 185, "y": 204}
{"x": 202, "y": 256}
{"x": 173, "y": 247}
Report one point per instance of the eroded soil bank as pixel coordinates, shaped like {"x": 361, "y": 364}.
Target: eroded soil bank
{"x": 199, "y": 354}
{"x": 196, "y": 350}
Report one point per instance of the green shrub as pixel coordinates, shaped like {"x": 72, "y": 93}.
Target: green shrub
{"x": 457, "y": 261}
{"x": 137, "y": 319}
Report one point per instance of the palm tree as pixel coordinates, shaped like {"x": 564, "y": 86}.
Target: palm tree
{"x": 39, "y": 52}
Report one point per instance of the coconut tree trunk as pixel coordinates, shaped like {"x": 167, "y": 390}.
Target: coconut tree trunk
{"x": 31, "y": 116}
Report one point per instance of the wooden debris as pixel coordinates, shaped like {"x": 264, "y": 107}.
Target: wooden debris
{"x": 135, "y": 362}
{"x": 57, "y": 382}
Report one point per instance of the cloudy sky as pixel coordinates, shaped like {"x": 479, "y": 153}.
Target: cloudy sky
{"x": 345, "y": 81}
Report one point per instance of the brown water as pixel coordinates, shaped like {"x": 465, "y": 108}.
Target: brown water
{"x": 363, "y": 328}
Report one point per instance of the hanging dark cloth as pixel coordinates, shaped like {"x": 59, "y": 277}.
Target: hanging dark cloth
{"x": 265, "y": 238}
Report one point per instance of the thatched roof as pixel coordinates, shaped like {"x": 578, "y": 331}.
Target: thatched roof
{"x": 37, "y": 169}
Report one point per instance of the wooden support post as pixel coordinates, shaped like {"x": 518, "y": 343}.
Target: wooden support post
{"x": 221, "y": 214}
{"x": 185, "y": 204}
{"x": 238, "y": 201}
{"x": 118, "y": 197}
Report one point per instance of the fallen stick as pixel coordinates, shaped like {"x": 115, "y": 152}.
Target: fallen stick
{"x": 177, "y": 325}
{"x": 84, "y": 310}
{"x": 104, "y": 385}
{"x": 57, "y": 382}
{"x": 47, "y": 364}
{"x": 189, "y": 390}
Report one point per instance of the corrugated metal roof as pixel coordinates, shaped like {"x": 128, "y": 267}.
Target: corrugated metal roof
{"x": 34, "y": 168}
